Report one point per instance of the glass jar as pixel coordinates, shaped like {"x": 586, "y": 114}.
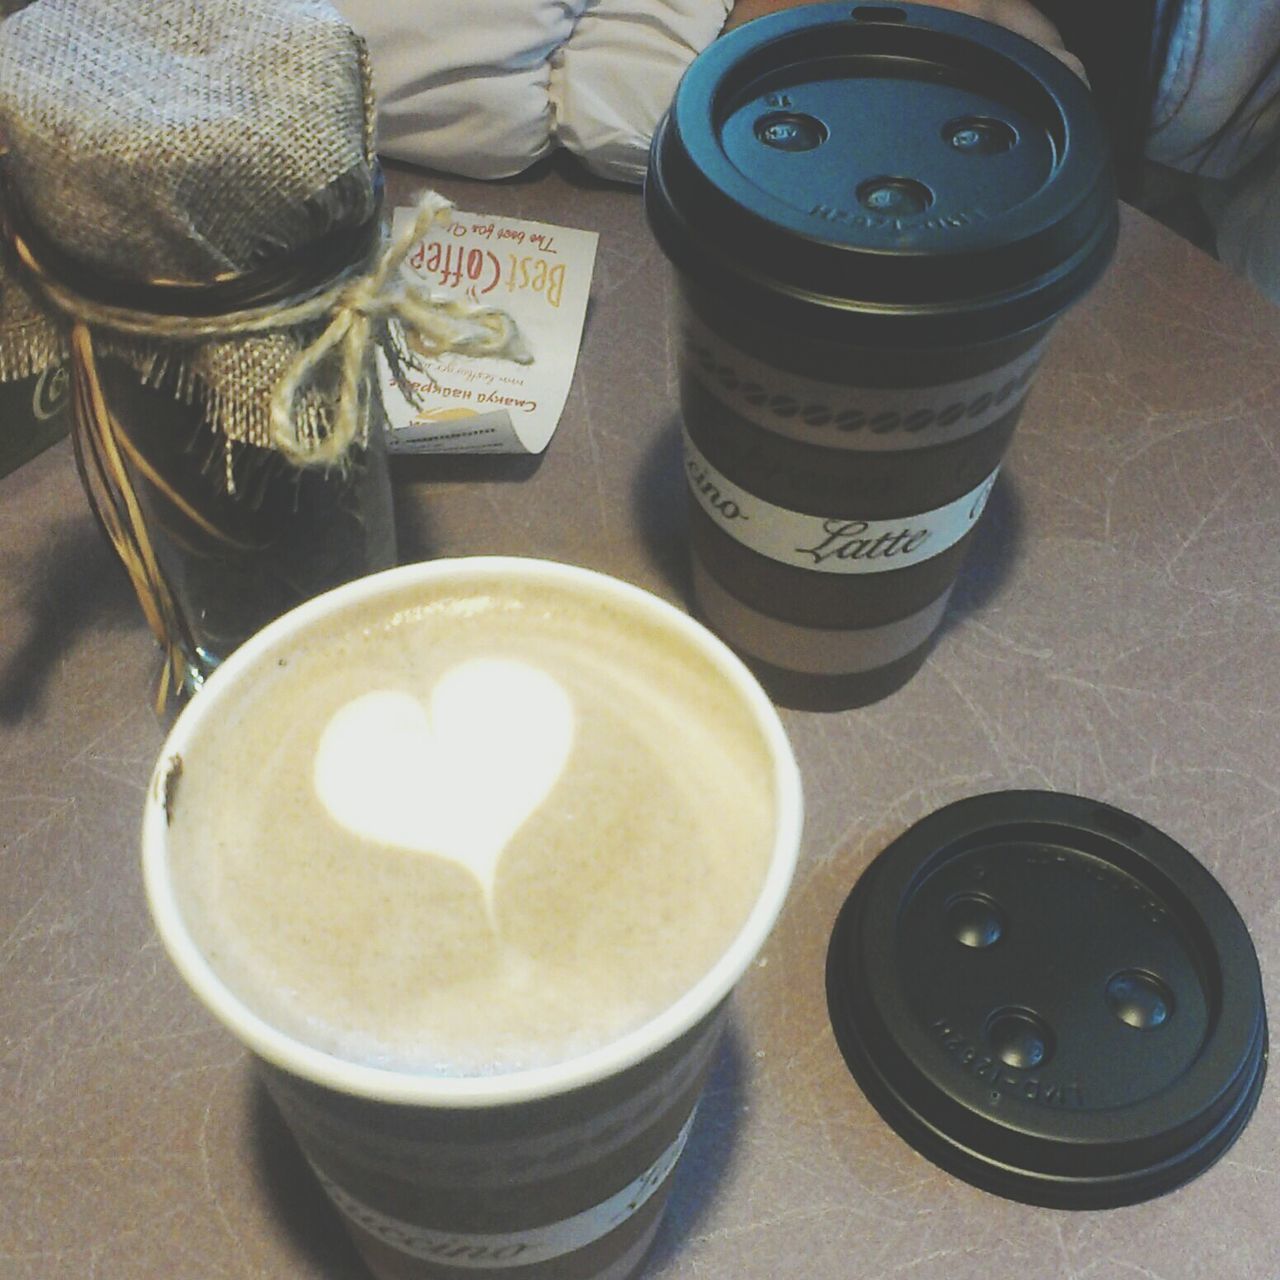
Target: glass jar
{"x": 240, "y": 532}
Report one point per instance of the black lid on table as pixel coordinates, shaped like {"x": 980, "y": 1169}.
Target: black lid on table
{"x": 1051, "y": 999}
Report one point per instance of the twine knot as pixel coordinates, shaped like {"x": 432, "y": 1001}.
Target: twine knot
{"x": 380, "y": 306}
{"x": 366, "y": 304}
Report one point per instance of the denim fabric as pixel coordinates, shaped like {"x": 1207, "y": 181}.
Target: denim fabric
{"x": 1215, "y": 106}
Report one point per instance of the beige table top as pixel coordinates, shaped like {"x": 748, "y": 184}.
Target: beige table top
{"x": 1116, "y": 634}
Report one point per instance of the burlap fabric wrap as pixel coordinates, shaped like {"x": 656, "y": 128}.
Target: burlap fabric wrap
{"x": 171, "y": 151}
{"x": 180, "y": 142}
{"x": 30, "y": 339}
{"x": 34, "y": 394}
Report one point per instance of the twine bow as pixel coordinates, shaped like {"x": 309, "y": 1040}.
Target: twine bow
{"x": 382, "y": 299}
{"x": 367, "y": 303}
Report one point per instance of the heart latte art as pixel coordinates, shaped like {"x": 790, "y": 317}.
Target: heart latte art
{"x": 473, "y": 832}
{"x": 455, "y": 777}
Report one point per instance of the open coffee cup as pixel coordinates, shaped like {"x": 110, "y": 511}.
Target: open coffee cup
{"x": 471, "y": 854}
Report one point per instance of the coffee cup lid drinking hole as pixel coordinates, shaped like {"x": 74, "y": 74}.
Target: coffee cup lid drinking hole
{"x": 885, "y": 167}
{"x": 1051, "y": 999}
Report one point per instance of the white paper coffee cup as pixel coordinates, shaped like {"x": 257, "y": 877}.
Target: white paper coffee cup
{"x": 559, "y": 1170}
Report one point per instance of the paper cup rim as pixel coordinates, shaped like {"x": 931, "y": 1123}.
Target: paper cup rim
{"x": 420, "y": 1088}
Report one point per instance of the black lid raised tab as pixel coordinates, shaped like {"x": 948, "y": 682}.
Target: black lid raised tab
{"x": 1050, "y": 999}
{"x": 885, "y": 173}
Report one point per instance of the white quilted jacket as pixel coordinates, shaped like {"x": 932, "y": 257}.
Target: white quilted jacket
{"x": 486, "y": 87}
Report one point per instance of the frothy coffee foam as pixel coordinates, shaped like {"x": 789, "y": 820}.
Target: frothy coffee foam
{"x": 610, "y": 899}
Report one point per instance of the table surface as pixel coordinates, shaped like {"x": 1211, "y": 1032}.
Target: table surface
{"x": 1114, "y": 635}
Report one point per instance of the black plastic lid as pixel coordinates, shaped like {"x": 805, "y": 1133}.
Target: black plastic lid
{"x": 1050, "y": 999}
{"x": 867, "y": 170}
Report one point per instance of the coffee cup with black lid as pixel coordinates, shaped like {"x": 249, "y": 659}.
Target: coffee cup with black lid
{"x": 876, "y": 215}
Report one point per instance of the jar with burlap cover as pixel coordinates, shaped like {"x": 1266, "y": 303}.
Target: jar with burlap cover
{"x": 192, "y": 204}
